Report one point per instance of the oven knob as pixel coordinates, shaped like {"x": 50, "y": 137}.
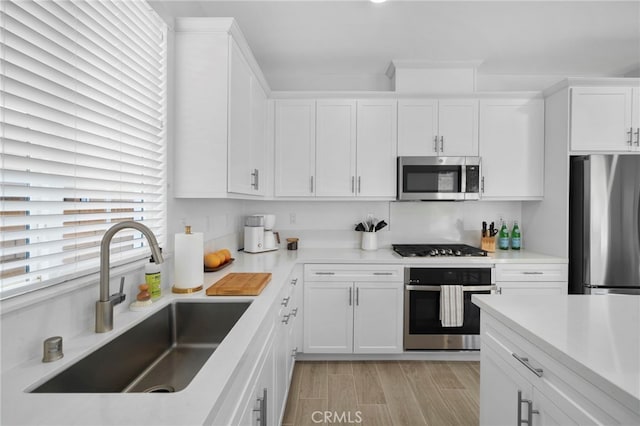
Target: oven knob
{"x": 433, "y": 252}
{"x": 458, "y": 253}
{"x": 443, "y": 252}
{"x": 449, "y": 252}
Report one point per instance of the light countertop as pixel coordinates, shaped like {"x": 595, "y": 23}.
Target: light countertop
{"x": 196, "y": 403}
{"x": 596, "y": 336}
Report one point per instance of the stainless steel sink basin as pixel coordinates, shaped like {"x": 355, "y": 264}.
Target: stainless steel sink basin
{"x": 161, "y": 354}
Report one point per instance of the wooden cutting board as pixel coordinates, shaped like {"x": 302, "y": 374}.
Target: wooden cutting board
{"x": 240, "y": 284}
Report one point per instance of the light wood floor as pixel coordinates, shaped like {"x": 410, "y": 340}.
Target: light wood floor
{"x": 385, "y": 393}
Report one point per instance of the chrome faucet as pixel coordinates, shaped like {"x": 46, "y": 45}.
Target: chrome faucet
{"x": 104, "y": 306}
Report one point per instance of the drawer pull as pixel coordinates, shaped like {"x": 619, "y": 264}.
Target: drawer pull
{"x": 325, "y": 273}
{"x": 533, "y": 273}
{"x": 294, "y": 281}
{"x": 294, "y": 312}
{"x": 285, "y": 318}
{"x": 383, "y": 273}
{"x": 285, "y": 301}
{"x": 525, "y": 361}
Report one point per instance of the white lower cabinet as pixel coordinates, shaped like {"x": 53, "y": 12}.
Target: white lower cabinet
{"x": 257, "y": 396}
{"x": 520, "y": 384}
{"x": 531, "y": 278}
{"x": 361, "y": 315}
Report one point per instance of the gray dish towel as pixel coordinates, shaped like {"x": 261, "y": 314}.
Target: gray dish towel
{"x": 451, "y": 305}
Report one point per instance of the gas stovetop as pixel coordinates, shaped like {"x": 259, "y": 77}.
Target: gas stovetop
{"x": 437, "y": 250}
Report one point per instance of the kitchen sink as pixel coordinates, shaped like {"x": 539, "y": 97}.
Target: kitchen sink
{"x": 161, "y": 354}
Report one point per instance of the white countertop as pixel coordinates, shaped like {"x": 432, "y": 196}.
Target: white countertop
{"x": 596, "y": 336}
{"x": 192, "y": 405}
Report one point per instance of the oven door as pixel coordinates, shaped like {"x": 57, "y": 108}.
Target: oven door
{"x": 423, "y": 329}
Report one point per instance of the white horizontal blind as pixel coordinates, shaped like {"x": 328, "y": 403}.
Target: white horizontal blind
{"x": 83, "y": 145}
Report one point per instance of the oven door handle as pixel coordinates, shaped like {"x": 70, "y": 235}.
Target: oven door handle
{"x": 437, "y": 287}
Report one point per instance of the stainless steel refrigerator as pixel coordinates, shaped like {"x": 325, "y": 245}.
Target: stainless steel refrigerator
{"x": 604, "y": 224}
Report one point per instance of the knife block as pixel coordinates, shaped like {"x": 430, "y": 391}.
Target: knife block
{"x": 488, "y": 244}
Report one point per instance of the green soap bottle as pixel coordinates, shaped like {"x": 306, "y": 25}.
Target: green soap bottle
{"x": 516, "y": 236}
{"x": 503, "y": 237}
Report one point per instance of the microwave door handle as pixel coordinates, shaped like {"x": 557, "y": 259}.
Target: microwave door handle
{"x": 463, "y": 178}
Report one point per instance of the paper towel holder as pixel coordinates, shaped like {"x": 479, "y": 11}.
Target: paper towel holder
{"x": 183, "y": 290}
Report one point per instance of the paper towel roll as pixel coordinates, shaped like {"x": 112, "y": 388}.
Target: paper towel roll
{"x": 188, "y": 263}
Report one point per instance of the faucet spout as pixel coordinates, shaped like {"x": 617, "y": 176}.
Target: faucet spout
{"x": 104, "y": 306}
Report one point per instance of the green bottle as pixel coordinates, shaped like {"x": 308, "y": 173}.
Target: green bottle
{"x": 516, "y": 237}
{"x": 503, "y": 237}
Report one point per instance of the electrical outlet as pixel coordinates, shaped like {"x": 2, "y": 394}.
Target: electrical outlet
{"x": 292, "y": 218}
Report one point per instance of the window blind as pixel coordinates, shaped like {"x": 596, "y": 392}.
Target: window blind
{"x": 83, "y": 143}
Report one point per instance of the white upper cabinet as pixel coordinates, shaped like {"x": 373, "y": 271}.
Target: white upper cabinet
{"x": 242, "y": 128}
{"x": 335, "y": 148}
{"x": 221, "y": 107}
{"x": 295, "y": 149}
{"x": 605, "y": 119}
{"x": 376, "y": 142}
{"x": 512, "y": 148}
{"x": 430, "y": 127}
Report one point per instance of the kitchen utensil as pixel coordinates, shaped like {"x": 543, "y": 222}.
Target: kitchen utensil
{"x": 484, "y": 229}
{"x": 240, "y": 284}
{"x": 380, "y": 225}
{"x": 360, "y": 227}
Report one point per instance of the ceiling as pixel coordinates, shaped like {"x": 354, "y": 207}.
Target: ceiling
{"x": 342, "y": 44}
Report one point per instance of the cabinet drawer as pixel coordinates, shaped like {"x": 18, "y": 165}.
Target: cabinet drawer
{"x": 351, "y": 272}
{"x": 531, "y": 272}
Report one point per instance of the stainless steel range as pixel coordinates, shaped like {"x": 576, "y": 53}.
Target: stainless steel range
{"x": 423, "y": 329}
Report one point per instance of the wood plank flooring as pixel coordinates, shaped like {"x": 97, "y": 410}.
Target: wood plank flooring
{"x": 384, "y": 393}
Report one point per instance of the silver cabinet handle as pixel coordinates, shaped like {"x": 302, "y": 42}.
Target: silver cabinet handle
{"x": 525, "y": 361}
{"x": 311, "y": 185}
{"x": 530, "y": 410}
{"x": 357, "y": 296}
{"x": 441, "y": 143}
{"x": 499, "y": 290}
{"x": 285, "y": 301}
{"x": 256, "y": 179}
{"x": 294, "y": 351}
{"x": 285, "y": 318}
{"x": 262, "y": 408}
{"x": 630, "y": 133}
{"x": 435, "y": 143}
{"x": 359, "y": 184}
{"x": 638, "y": 137}
{"x": 294, "y": 281}
{"x": 353, "y": 184}
{"x": 325, "y": 273}
{"x": 294, "y": 312}
{"x": 533, "y": 272}
{"x": 383, "y": 273}
{"x": 482, "y": 184}
{"x": 350, "y": 295}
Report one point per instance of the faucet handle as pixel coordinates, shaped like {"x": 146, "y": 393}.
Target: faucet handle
{"x": 119, "y": 297}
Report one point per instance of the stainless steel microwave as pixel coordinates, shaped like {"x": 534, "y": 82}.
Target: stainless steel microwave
{"x": 438, "y": 178}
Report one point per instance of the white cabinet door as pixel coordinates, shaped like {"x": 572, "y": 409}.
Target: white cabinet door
{"x": 458, "y": 127}
{"x": 257, "y": 172}
{"x": 328, "y": 317}
{"x": 240, "y": 132}
{"x": 635, "y": 118}
{"x": 295, "y": 129}
{"x": 512, "y": 148}
{"x": 335, "y": 148}
{"x": 499, "y": 387}
{"x": 376, "y": 145}
{"x": 601, "y": 119}
{"x": 418, "y": 127}
{"x": 378, "y": 320}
